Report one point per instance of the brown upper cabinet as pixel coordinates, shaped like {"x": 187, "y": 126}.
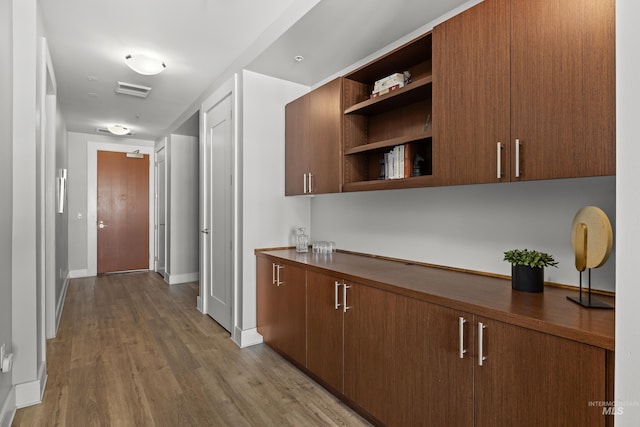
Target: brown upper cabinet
{"x": 313, "y": 141}
{"x": 374, "y": 125}
{"x": 524, "y": 90}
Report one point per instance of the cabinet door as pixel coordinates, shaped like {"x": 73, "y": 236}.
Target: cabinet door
{"x": 290, "y": 324}
{"x": 563, "y": 87}
{"x": 471, "y": 91}
{"x": 433, "y": 384}
{"x": 369, "y": 339}
{"x": 296, "y": 145}
{"x": 324, "y": 329}
{"x": 325, "y": 134}
{"x": 533, "y": 379}
{"x": 265, "y": 309}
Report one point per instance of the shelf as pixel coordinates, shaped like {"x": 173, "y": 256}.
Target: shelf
{"x": 388, "y": 143}
{"x": 413, "y": 92}
{"x": 389, "y": 184}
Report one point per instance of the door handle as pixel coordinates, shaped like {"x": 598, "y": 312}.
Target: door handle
{"x": 205, "y": 231}
{"x": 101, "y": 225}
{"x": 337, "y": 288}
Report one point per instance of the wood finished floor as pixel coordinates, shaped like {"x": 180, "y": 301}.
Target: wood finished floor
{"x": 133, "y": 351}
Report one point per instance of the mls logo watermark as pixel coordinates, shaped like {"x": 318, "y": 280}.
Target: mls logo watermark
{"x": 612, "y": 410}
{"x": 613, "y": 407}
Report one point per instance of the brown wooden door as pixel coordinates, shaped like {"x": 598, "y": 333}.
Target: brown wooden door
{"x": 325, "y": 329}
{"x": 290, "y": 325}
{"x": 563, "y": 87}
{"x": 123, "y": 212}
{"x": 433, "y": 384}
{"x": 533, "y": 379}
{"x": 296, "y": 145}
{"x": 369, "y": 340}
{"x": 325, "y": 133}
{"x": 471, "y": 95}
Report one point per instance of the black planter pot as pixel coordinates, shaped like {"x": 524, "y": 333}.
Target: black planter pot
{"x": 527, "y": 279}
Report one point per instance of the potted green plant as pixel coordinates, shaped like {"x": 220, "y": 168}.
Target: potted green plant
{"x": 527, "y": 269}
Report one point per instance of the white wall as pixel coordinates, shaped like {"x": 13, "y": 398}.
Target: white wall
{"x": 468, "y": 226}
{"x": 78, "y": 194}
{"x": 26, "y": 316}
{"x": 183, "y": 231}
{"x": 268, "y": 218}
{"x": 627, "y": 384}
{"x": 7, "y": 395}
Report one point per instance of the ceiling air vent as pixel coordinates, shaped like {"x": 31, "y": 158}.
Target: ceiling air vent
{"x": 133, "y": 90}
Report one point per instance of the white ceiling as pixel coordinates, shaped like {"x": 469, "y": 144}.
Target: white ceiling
{"x": 199, "y": 40}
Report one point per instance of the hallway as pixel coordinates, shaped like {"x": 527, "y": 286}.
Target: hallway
{"x": 133, "y": 351}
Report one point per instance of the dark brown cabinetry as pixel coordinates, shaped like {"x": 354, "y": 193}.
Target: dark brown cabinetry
{"x": 527, "y": 378}
{"x": 325, "y": 323}
{"x": 423, "y": 351}
{"x": 375, "y": 125}
{"x": 313, "y": 141}
{"x": 281, "y": 313}
{"x": 518, "y": 96}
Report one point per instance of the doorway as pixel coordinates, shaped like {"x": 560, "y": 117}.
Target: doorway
{"x": 123, "y": 212}
{"x": 92, "y": 196}
{"x": 217, "y": 210}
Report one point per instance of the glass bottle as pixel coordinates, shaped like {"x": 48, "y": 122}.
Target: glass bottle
{"x": 302, "y": 240}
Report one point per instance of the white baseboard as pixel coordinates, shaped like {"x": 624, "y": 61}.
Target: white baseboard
{"x": 8, "y": 408}
{"x": 176, "y": 279}
{"x": 60, "y": 305}
{"x": 31, "y": 393}
{"x": 247, "y": 337}
{"x": 199, "y": 304}
{"x": 74, "y": 274}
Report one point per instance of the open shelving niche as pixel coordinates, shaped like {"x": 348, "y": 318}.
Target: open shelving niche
{"x": 373, "y": 126}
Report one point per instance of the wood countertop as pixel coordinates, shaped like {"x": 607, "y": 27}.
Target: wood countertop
{"x": 549, "y": 312}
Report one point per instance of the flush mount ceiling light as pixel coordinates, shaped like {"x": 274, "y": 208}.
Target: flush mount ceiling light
{"x": 119, "y": 130}
{"x": 145, "y": 65}
{"x": 298, "y": 58}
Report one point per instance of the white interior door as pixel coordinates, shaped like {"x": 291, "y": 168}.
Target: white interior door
{"x": 217, "y": 216}
{"x": 160, "y": 250}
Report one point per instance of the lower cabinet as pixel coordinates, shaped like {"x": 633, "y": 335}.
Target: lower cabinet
{"x": 405, "y": 362}
{"x": 528, "y": 378}
{"x": 325, "y": 320}
{"x": 369, "y": 350}
{"x": 281, "y": 292}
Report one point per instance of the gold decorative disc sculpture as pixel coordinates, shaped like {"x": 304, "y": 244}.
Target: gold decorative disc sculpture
{"x": 592, "y": 241}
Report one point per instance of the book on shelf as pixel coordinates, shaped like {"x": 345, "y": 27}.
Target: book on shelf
{"x": 398, "y": 162}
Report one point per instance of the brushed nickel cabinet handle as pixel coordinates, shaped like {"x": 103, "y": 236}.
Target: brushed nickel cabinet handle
{"x": 337, "y": 287}
{"x": 461, "y": 322}
{"x": 344, "y": 298}
{"x": 278, "y": 268}
{"x": 304, "y": 183}
{"x": 499, "y": 157}
{"x": 273, "y": 273}
{"x": 481, "y": 357}
{"x": 517, "y": 158}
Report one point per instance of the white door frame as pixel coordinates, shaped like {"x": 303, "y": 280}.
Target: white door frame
{"x": 47, "y": 101}
{"x": 158, "y": 267}
{"x": 229, "y": 88}
{"x": 92, "y": 196}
